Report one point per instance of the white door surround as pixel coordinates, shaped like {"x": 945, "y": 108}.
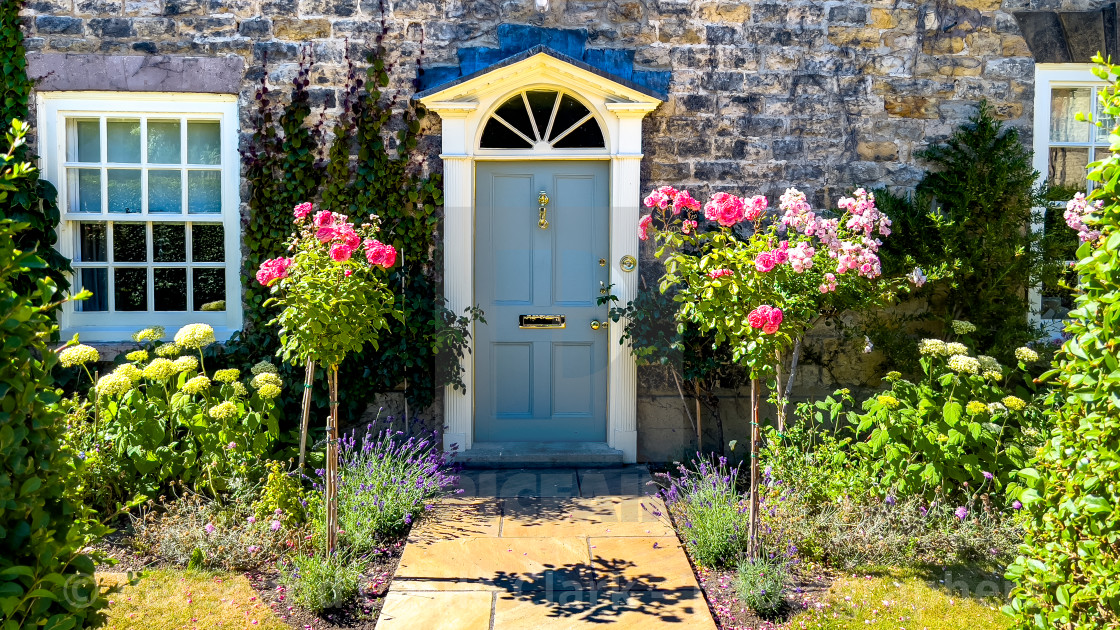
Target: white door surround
{"x": 464, "y": 107}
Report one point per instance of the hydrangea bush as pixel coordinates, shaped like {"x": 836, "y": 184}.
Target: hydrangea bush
{"x": 160, "y": 416}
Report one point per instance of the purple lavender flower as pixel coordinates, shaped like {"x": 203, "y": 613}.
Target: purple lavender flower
{"x": 407, "y": 518}
{"x": 890, "y": 500}
{"x": 962, "y": 512}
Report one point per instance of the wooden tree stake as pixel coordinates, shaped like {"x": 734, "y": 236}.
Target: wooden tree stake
{"x": 756, "y": 441}
{"x": 308, "y": 377}
{"x": 332, "y": 463}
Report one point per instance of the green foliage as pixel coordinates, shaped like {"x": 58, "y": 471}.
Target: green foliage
{"x": 982, "y": 186}
{"x": 283, "y": 491}
{"x": 321, "y": 581}
{"x": 761, "y": 583}
{"x": 951, "y": 432}
{"x": 153, "y": 421}
{"x": 45, "y": 579}
{"x": 1068, "y": 575}
{"x": 31, "y": 200}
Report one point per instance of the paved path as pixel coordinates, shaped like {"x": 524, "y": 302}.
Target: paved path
{"x": 556, "y": 548}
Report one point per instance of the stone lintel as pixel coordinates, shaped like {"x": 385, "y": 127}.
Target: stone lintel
{"x": 136, "y": 73}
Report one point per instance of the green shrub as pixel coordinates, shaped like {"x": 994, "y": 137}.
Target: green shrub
{"x": 761, "y": 583}
{"x": 709, "y": 512}
{"x": 320, "y": 581}
{"x": 956, "y": 429}
{"x": 161, "y": 416}
{"x": 45, "y": 579}
{"x": 1068, "y": 573}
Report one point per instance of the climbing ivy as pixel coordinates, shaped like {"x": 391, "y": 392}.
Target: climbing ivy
{"x": 364, "y": 168}
{"x": 34, "y": 201}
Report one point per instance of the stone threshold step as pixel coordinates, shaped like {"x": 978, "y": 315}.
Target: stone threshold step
{"x": 535, "y": 454}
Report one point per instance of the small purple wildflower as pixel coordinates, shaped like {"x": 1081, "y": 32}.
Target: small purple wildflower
{"x": 209, "y": 528}
{"x": 987, "y": 475}
{"x": 274, "y": 526}
{"x": 251, "y": 520}
{"x": 962, "y": 512}
{"x": 890, "y": 500}
{"x": 1016, "y": 505}
{"x": 232, "y": 445}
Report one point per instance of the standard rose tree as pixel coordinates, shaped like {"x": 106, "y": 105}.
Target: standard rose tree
{"x": 758, "y": 280}
{"x": 335, "y": 299}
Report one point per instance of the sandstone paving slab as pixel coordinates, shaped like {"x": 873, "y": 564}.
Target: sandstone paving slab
{"x": 490, "y": 564}
{"x": 579, "y": 610}
{"x": 404, "y": 610}
{"x": 602, "y": 516}
{"x": 520, "y": 483}
{"x": 641, "y": 563}
{"x": 460, "y": 518}
{"x": 628, "y": 481}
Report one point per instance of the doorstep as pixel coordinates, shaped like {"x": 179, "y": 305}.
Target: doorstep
{"x": 539, "y": 454}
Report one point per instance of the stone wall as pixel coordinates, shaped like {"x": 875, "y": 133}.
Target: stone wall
{"x": 764, "y": 94}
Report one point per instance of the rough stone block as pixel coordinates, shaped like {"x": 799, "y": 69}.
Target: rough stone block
{"x": 725, "y": 11}
{"x": 942, "y": 45}
{"x": 58, "y": 25}
{"x": 97, "y": 8}
{"x": 185, "y": 7}
{"x": 142, "y": 8}
{"x": 721, "y": 35}
{"x": 339, "y": 8}
{"x": 847, "y": 14}
{"x": 153, "y": 28}
{"x": 910, "y": 106}
{"x": 854, "y": 36}
{"x": 879, "y": 151}
{"x": 300, "y": 29}
{"x": 258, "y": 28}
{"x": 213, "y": 26}
{"x": 111, "y": 27}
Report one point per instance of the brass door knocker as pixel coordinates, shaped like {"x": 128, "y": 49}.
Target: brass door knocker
{"x": 542, "y": 200}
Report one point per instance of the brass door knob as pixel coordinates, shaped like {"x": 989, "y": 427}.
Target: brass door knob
{"x": 596, "y": 324}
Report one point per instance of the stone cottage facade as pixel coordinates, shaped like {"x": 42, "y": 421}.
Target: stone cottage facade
{"x": 750, "y": 97}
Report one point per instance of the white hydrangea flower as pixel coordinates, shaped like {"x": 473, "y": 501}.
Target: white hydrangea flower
{"x": 268, "y": 390}
{"x": 993, "y": 376}
{"x": 197, "y": 385}
{"x": 962, "y": 327}
{"x": 113, "y": 384}
{"x": 160, "y": 369}
{"x": 195, "y": 336}
{"x": 227, "y": 376}
{"x": 186, "y": 364}
{"x": 1015, "y": 403}
{"x": 1026, "y": 355}
{"x": 239, "y": 389}
{"x": 152, "y": 333}
{"x": 989, "y": 364}
{"x": 932, "y": 347}
{"x": 129, "y": 371}
{"x": 955, "y": 347}
{"x": 996, "y": 408}
{"x": 267, "y": 378}
{"x": 223, "y": 411}
{"x": 264, "y": 366}
{"x": 167, "y": 350}
{"x": 964, "y": 364}
{"x": 219, "y": 305}
{"x": 78, "y": 355}
{"x": 137, "y": 355}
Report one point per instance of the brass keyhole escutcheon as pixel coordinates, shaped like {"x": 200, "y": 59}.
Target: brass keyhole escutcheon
{"x": 542, "y": 201}
{"x": 602, "y": 262}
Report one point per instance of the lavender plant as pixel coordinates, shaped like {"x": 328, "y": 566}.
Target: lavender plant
{"x": 710, "y": 514}
{"x": 387, "y": 482}
{"x": 761, "y": 582}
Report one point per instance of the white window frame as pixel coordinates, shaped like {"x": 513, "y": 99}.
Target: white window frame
{"x": 53, "y": 109}
{"x": 1047, "y": 77}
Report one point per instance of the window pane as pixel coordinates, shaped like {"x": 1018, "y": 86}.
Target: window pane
{"x": 1067, "y": 168}
{"x": 204, "y": 191}
{"x": 1058, "y": 300}
{"x": 130, "y": 242}
{"x": 97, "y": 282}
{"x": 1065, "y": 103}
{"x": 209, "y": 288}
{"x": 497, "y": 136}
{"x": 170, "y": 289}
{"x": 124, "y": 141}
{"x": 85, "y": 189}
{"x": 165, "y": 142}
{"x": 88, "y": 146}
{"x": 124, "y": 190}
{"x": 169, "y": 244}
{"x": 93, "y": 246}
{"x": 586, "y": 136}
{"x": 570, "y": 112}
{"x": 542, "y": 104}
{"x": 131, "y": 288}
{"x": 204, "y": 143}
{"x": 514, "y": 112}
{"x": 208, "y": 242}
{"x": 165, "y": 191}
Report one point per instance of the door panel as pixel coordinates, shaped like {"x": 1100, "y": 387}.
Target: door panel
{"x": 541, "y": 384}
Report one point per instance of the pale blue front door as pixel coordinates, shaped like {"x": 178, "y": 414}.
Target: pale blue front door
{"x": 535, "y": 381}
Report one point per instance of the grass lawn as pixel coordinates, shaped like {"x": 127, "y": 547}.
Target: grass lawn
{"x": 898, "y": 599}
{"x": 170, "y": 600}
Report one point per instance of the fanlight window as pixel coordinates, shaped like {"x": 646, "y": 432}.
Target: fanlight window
{"x": 543, "y": 120}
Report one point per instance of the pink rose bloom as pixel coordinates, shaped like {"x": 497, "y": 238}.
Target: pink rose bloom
{"x": 829, "y": 283}
{"x": 688, "y": 226}
{"x": 719, "y": 273}
{"x": 643, "y": 225}
{"x": 657, "y": 199}
{"x": 684, "y": 201}
{"x": 755, "y": 207}
{"x": 765, "y": 262}
{"x": 326, "y": 233}
{"x": 272, "y": 270}
{"x": 724, "y": 208}
{"x": 340, "y": 252}
{"x": 781, "y": 256}
{"x": 324, "y": 218}
{"x": 757, "y": 317}
{"x": 301, "y": 211}
{"x": 348, "y": 236}
{"x": 801, "y": 258}
{"x": 348, "y": 273}
{"x": 379, "y": 254}
{"x": 775, "y": 316}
